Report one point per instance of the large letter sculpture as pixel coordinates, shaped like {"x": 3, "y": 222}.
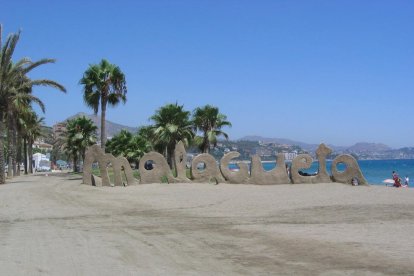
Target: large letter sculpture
{"x": 277, "y": 175}
{"x": 304, "y": 161}
{"x": 119, "y": 164}
{"x": 352, "y": 170}
{"x": 181, "y": 163}
{"x": 209, "y": 171}
{"x": 159, "y": 171}
{"x": 237, "y": 177}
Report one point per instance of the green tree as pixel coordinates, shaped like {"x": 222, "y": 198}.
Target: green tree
{"x": 130, "y": 146}
{"x": 19, "y": 100}
{"x": 33, "y": 130}
{"x": 147, "y": 134}
{"x": 138, "y": 146}
{"x": 72, "y": 151}
{"x": 16, "y": 95}
{"x": 23, "y": 130}
{"x": 118, "y": 145}
{"x": 6, "y": 53}
{"x": 103, "y": 84}
{"x": 209, "y": 121}
{"x": 171, "y": 125}
{"x": 80, "y": 134}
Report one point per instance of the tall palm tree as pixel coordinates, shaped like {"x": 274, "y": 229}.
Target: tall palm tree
{"x": 15, "y": 94}
{"x": 19, "y": 98}
{"x": 6, "y": 53}
{"x": 20, "y": 122}
{"x": 32, "y": 132}
{"x": 103, "y": 84}
{"x": 172, "y": 124}
{"x": 209, "y": 121}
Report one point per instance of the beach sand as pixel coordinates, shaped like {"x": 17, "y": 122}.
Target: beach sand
{"x": 54, "y": 225}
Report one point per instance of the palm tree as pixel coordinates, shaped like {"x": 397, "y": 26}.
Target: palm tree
{"x": 130, "y": 146}
{"x": 19, "y": 98}
{"x": 172, "y": 124}
{"x": 32, "y": 132}
{"x": 6, "y": 53}
{"x": 15, "y": 94}
{"x": 118, "y": 145}
{"x": 209, "y": 121}
{"x": 72, "y": 150}
{"x": 137, "y": 147}
{"x": 80, "y": 134}
{"x": 23, "y": 123}
{"x": 147, "y": 134}
{"x": 103, "y": 84}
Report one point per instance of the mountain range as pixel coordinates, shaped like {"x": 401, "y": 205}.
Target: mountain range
{"x": 360, "y": 148}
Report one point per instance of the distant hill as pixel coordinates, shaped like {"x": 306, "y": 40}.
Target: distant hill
{"x": 368, "y": 147}
{"x": 111, "y": 127}
{"x": 305, "y": 146}
{"x": 362, "y": 147}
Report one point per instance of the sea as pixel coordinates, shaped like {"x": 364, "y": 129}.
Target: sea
{"x": 375, "y": 171}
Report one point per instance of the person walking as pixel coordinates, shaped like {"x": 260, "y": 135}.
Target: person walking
{"x": 406, "y": 181}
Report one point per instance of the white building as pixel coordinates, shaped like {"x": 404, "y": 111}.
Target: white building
{"x": 291, "y": 155}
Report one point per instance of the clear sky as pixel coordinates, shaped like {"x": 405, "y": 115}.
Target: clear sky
{"x": 329, "y": 71}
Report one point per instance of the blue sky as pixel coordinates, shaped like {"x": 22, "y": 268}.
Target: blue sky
{"x": 338, "y": 72}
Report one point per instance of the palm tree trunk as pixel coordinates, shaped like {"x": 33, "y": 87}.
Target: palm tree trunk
{"x": 9, "y": 151}
{"x": 75, "y": 161}
{"x": 12, "y": 170}
{"x": 83, "y": 157}
{"x": 19, "y": 152}
{"x": 171, "y": 158}
{"x": 103, "y": 127}
{"x": 25, "y": 154}
{"x": 30, "y": 154}
{"x": 2, "y": 174}
{"x": 14, "y": 147}
{"x": 206, "y": 144}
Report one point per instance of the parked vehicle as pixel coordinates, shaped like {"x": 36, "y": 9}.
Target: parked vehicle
{"x": 44, "y": 166}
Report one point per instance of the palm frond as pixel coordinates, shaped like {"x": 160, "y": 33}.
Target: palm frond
{"x": 50, "y": 83}
{"x": 37, "y": 63}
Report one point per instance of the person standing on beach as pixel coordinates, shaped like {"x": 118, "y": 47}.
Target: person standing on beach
{"x": 397, "y": 180}
{"x": 407, "y": 180}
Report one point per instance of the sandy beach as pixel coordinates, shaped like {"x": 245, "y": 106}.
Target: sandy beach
{"x": 54, "y": 225}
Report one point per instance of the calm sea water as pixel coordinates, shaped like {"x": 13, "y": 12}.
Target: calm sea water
{"x": 375, "y": 171}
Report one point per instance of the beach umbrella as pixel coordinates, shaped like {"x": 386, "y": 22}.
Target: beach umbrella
{"x": 389, "y": 180}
